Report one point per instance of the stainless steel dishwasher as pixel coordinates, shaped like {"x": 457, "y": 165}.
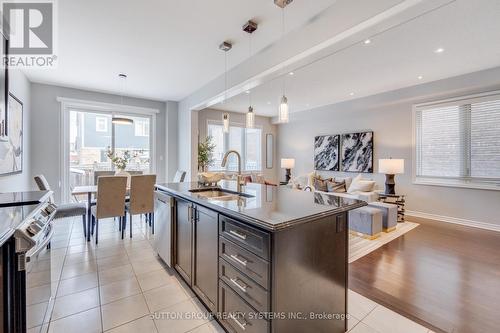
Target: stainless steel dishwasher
{"x": 164, "y": 213}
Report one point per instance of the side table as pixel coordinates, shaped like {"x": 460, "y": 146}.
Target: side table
{"x": 395, "y": 199}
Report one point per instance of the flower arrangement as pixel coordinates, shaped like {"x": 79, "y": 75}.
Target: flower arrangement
{"x": 119, "y": 162}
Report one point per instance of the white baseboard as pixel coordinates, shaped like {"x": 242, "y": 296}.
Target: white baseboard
{"x": 455, "y": 220}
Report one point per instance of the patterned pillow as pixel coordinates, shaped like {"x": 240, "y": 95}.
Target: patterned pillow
{"x": 321, "y": 184}
{"x": 337, "y": 187}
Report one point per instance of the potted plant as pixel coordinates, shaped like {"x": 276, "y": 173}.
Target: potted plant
{"x": 205, "y": 153}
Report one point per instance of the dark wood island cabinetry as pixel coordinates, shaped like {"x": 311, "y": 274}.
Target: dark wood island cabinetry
{"x": 269, "y": 260}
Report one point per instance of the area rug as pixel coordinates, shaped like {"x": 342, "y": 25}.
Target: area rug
{"x": 360, "y": 247}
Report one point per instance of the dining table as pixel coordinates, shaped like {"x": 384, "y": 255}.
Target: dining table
{"x": 89, "y": 190}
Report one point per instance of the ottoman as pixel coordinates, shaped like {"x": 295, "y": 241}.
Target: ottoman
{"x": 366, "y": 222}
{"x": 389, "y": 215}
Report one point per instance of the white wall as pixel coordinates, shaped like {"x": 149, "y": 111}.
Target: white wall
{"x": 21, "y": 88}
{"x": 46, "y": 129}
{"x": 264, "y": 122}
{"x": 389, "y": 115}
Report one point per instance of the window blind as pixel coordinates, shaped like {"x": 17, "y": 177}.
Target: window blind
{"x": 459, "y": 140}
{"x": 485, "y": 139}
{"x": 439, "y": 142}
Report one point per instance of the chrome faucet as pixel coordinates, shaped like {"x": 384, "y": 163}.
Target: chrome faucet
{"x": 224, "y": 162}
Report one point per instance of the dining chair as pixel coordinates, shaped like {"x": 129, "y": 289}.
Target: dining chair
{"x": 64, "y": 210}
{"x": 179, "y": 176}
{"x": 101, "y": 173}
{"x": 141, "y": 198}
{"x": 110, "y": 201}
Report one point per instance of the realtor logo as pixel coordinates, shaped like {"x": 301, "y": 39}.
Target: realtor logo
{"x": 30, "y": 30}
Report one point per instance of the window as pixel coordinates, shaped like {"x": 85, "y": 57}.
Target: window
{"x": 457, "y": 142}
{"x": 88, "y": 148}
{"x": 244, "y": 140}
{"x": 141, "y": 128}
{"x": 101, "y": 124}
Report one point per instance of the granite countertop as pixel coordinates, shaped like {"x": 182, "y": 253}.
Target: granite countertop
{"x": 23, "y": 198}
{"x": 271, "y": 207}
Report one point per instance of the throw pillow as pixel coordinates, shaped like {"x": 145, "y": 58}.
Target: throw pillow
{"x": 310, "y": 178}
{"x": 321, "y": 184}
{"x": 337, "y": 187}
{"x": 361, "y": 185}
{"x": 347, "y": 180}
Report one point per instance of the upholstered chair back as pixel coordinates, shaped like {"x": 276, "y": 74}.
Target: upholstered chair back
{"x": 43, "y": 185}
{"x": 142, "y": 194}
{"x": 111, "y": 196}
{"x": 179, "y": 176}
{"x": 101, "y": 173}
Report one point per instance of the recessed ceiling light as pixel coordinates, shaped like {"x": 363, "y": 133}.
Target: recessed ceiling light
{"x": 268, "y": 103}
{"x": 368, "y": 41}
{"x": 420, "y": 77}
{"x": 247, "y": 92}
{"x": 351, "y": 94}
{"x": 439, "y": 50}
{"x": 291, "y": 73}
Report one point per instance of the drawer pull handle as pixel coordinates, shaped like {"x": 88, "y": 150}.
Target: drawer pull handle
{"x": 241, "y": 261}
{"x": 238, "y": 234}
{"x": 242, "y": 325}
{"x": 243, "y": 287}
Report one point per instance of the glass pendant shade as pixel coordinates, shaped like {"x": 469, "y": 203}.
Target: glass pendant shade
{"x": 250, "y": 118}
{"x": 122, "y": 121}
{"x": 225, "y": 122}
{"x": 283, "y": 116}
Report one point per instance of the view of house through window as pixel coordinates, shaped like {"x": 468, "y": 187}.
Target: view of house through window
{"x": 92, "y": 134}
{"x": 246, "y": 141}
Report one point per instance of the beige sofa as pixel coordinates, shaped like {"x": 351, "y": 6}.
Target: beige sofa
{"x": 368, "y": 221}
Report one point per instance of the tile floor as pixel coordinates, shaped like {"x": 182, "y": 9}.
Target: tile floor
{"x": 120, "y": 286}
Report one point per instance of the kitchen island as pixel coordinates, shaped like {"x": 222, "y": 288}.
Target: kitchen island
{"x": 266, "y": 259}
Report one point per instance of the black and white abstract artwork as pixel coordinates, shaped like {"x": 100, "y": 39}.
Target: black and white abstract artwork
{"x": 326, "y": 152}
{"x": 11, "y": 150}
{"x": 357, "y": 152}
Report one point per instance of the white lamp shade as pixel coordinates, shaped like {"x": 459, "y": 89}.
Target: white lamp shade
{"x": 391, "y": 166}
{"x": 287, "y": 163}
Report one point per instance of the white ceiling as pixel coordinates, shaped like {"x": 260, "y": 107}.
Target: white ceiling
{"x": 168, "y": 48}
{"x": 468, "y": 31}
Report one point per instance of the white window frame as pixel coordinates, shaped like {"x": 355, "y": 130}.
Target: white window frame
{"x": 68, "y": 104}
{"x": 464, "y": 181}
{"x": 243, "y": 145}
{"x": 101, "y": 121}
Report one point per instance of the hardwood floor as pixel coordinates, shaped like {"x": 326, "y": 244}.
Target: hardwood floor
{"x": 443, "y": 276}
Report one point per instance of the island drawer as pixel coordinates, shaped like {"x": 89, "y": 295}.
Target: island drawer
{"x": 252, "y": 239}
{"x": 254, "y": 267}
{"x": 250, "y": 291}
{"x": 238, "y": 316}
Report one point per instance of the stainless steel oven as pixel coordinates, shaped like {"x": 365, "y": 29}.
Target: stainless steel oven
{"x": 34, "y": 292}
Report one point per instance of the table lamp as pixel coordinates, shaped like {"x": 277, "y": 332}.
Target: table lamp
{"x": 391, "y": 167}
{"x": 288, "y": 164}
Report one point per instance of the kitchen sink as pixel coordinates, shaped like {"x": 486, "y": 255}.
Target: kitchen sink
{"x": 218, "y": 194}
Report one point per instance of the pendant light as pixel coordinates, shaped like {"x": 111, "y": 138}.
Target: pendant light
{"x": 283, "y": 112}
{"x": 250, "y": 118}
{"x": 225, "y": 122}
{"x": 225, "y": 46}
{"x": 122, "y": 120}
{"x": 250, "y": 27}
